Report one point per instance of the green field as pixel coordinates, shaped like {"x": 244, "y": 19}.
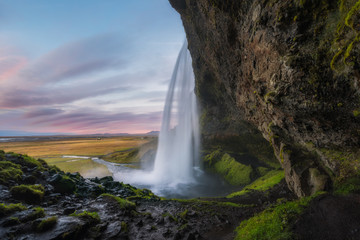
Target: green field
{"x": 52, "y": 151}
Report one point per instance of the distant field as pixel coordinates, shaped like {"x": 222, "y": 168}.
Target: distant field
{"x": 53, "y": 150}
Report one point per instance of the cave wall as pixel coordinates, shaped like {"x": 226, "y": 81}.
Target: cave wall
{"x": 291, "y": 70}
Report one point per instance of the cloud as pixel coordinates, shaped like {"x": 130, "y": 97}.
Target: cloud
{"x": 66, "y": 74}
{"x": 10, "y": 65}
{"x": 43, "y": 112}
{"x": 76, "y": 59}
{"x": 88, "y": 120}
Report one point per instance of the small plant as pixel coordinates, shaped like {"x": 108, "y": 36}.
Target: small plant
{"x": 28, "y": 193}
{"x": 11, "y": 208}
{"x": 46, "y": 224}
{"x": 123, "y": 203}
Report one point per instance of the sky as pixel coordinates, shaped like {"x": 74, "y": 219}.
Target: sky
{"x": 86, "y": 66}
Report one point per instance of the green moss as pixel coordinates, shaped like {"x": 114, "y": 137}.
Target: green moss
{"x": 36, "y": 213}
{"x": 123, "y": 203}
{"x": 124, "y": 227}
{"x": 262, "y": 171}
{"x": 235, "y": 173}
{"x": 11, "y": 208}
{"x": 166, "y": 214}
{"x": 350, "y": 185}
{"x": 91, "y": 217}
{"x": 356, "y": 113}
{"x": 46, "y": 224}
{"x": 274, "y": 222}
{"x": 348, "y": 162}
{"x": 28, "y": 193}
{"x": 353, "y": 11}
{"x": 9, "y": 171}
{"x": 183, "y": 214}
{"x": 262, "y": 184}
{"x": 26, "y": 160}
{"x": 64, "y": 184}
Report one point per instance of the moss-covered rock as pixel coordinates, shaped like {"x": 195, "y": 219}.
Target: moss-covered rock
{"x": 7, "y": 209}
{"x": 262, "y": 184}
{"x": 123, "y": 203}
{"x": 46, "y": 224}
{"x": 9, "y": 171}
{"x": 273, "y": 223}
{"x": 63, "y": 183}
{"x": 90, "y": 217}
{"x": 235, "y": 173}
{"x": 28, "y": 193}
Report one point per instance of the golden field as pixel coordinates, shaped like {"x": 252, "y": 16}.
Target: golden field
{"x": 52, "y": 151}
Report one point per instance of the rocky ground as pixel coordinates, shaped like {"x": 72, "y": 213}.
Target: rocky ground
{"x": 38, "y": 201}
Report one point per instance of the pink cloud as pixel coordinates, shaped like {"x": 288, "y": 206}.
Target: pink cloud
{"x": 10, "y": 66}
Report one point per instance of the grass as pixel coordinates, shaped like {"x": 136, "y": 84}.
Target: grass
{"x": 274, "y": 223}
{"x": 53, "y": 150}
{"x": 263, "y": 183}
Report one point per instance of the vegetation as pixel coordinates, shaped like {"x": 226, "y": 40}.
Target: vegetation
{"x": 36, "y": 213}
{"x": 235, "y": 173}
{"x": 263, "y": 183}
{"x": 46, "y": 224}
{"x": 53, "y": 151}
{"x": 91, "y": 217}
{"x": 273, "y": 223}
{"x": 11, "y": 208}
{"x": 28, "y": 193}
{"x": 9, "y": 171}
{"x": 123, "y": 203}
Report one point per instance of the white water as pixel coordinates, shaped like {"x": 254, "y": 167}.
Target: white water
{"x": 177, "y": 157}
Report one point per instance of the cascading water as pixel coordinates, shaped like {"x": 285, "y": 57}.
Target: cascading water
{"x": 176, "y": 171}
{"x": 177, "y": 155}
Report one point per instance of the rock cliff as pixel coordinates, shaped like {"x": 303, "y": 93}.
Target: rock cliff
{"x": 291, "y": 70}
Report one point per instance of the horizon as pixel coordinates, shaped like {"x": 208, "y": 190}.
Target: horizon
{"x": 86, "y": 67}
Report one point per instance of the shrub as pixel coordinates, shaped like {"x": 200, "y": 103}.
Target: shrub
{"x": 28, "y": 193}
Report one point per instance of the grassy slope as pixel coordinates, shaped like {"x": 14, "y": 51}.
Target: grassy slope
{"x": 53, "y": 150}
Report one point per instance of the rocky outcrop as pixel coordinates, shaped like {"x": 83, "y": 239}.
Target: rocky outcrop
{"x": 291, "y": 69}
{"x": 38, "y": 201}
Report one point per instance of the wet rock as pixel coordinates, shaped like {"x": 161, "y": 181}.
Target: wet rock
{"x": 62, "y": 184}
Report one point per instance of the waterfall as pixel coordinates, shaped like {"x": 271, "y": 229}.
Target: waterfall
{"x": 177, "y": 155}
{"x": 176, "y": 169}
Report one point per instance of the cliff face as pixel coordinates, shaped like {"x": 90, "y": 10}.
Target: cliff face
{"x": 291, "y": 69}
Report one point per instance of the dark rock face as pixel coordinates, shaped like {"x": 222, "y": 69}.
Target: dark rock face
{"x": 291, "y": 69}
